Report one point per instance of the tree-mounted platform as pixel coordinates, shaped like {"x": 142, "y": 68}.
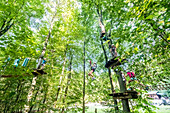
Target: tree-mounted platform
{"x": 125, "y": 95}
{"x": 38, "y": 72}
{"x": 114, "y": 62}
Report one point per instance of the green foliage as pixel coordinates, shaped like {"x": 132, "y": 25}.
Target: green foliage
{"x": 140, "y": 31}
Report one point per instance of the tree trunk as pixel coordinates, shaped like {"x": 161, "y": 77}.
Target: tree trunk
{"x": 68, "y": 80}
{"x": 33, "y": 100}
{"x": 111, "y": 81}
{"x": 106, "y": 59}
{"x": 38, "y": 66}
{"x": 84, "y": 79}
{"x": 125, "y": 102}
{"x": 62, "y": 74}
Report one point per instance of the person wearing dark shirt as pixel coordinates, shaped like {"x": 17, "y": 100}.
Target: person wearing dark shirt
{"x": 93, "y": 68}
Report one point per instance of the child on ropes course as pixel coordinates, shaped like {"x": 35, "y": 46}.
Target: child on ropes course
{"x": 93, "y": 68}
{"x": 132, "y": 78}
{"x": 102, "y": 29}
{"x": 43, "y": 63}
{"x": 112, "y": 47}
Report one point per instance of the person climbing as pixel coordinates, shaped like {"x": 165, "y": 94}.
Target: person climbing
{"x": 113, "y": 50}
{"x": 26, "y": 60}
{"x": 93, "y": 68}
{"x": 105, "y": 38}
{"x": 40, "y": 71}
{"x": 16, "y": 63}
{"x": 6, "y": 62}
{"x": 102, "y": 29}
{"x": 132, "y": 78}
{"x": 43, "y": 63}
{"x": 112, "y": 47}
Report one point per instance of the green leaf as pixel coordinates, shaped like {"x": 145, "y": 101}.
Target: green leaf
{"x": 150, "y": 17}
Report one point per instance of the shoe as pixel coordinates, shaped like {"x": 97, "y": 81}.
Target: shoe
{"x": 93, "y": 78}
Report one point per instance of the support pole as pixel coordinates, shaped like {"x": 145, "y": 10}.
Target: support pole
{"x": 125, "y": 102}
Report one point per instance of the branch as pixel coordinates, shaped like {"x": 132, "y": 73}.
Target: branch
{"x": 3, "y": 25}
{"x": 6, "y": 29}
{"x": 110, "y": 29}
{"x": 157, "y": 29}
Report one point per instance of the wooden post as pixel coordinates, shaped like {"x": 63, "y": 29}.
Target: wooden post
{"x": 125, "y": 102}
{"x": 95, "y": 110}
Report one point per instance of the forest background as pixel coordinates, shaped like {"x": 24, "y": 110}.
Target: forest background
{"x": 58, "y": 30}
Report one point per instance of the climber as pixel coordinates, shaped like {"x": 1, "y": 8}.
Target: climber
{"x": 132, "y": 78}
{"x": 6, "y": 62}
{"x": 93, "y": 68}
{"x": 43, "y": 63}
{"x": 113, "y": 50}
{"x": 112, "y": 47}
{"x": 16, "y": 63}
{"x": 131, "y": 75}
{"x": 102, "y": 29}
{"x": 25, "y": 62}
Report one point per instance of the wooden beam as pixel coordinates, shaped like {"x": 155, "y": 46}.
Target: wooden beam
{"x": 38, "y": 72}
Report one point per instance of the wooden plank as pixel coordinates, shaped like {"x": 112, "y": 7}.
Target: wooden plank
{"x": 38, "y": 72}
{"x": 126, "y": 95}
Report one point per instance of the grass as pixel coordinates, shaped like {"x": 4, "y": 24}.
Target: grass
{"x": 163, "y": 109}
{"x": 91, "y": 109}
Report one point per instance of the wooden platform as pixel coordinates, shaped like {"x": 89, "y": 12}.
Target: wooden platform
{"x": 38, "y": 72}
{"x": 113, "y": 63}
{"x": 125, "y": 95}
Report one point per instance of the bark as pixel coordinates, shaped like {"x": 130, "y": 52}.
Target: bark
{"x": 38, "y": 66}
{"x": 6, "y": 29}
{"x": 111, "y": 80}
{"x": 62, "y": 74}
{"x": 45, "y": 97}
{"x": 125, "y": 102}
{"x": 68, "y": 80}
{"x": 106, "y": 59}
{"x": 30, "y": 110}
{"x": 84, "y": 83}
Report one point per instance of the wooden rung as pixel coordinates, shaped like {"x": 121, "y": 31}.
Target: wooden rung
{"x": 125, "y": 95}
